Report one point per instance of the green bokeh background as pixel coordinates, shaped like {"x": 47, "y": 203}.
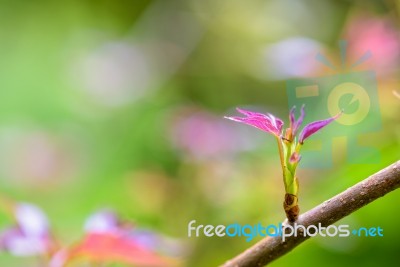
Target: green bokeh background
{"x": 115, "y": 150}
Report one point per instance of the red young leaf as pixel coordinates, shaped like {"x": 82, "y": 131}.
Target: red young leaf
{"x": 112, "y": 247}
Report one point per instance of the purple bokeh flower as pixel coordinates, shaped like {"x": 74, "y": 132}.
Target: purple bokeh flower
{"x": 104, "y": 221}
{"x": 160, "y": 243}
{"x": 30, "y": 236}
{"x": 289, "y": 58}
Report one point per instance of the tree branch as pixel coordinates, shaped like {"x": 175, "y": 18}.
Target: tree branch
{"x": 327, "y": 213}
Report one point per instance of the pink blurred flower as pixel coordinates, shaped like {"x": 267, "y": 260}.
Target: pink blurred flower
{"x": 202, "y": 136}
{"x": 377, "y": 35}
{"x": 33, "y": 158}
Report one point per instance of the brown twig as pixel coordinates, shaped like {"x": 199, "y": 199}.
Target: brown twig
{"x": 329, "y": 212}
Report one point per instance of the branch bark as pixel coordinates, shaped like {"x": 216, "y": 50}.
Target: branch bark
{"x": 327, "y": 213}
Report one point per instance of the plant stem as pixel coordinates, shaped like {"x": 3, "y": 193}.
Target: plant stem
{"x": 280, "y": 148}
{"x": 327, "y": 213}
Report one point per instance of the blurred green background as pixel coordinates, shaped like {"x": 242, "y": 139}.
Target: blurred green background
{"x": 120, "y": 104}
